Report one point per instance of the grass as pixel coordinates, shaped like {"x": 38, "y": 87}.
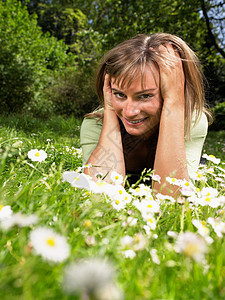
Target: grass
{"x": 93, "y": 228}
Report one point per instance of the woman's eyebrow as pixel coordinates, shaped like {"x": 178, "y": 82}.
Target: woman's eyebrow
{"x": 137, "y": 93}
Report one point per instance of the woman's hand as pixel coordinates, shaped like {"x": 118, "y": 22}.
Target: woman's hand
{"x": 107, "y": 93}
{"x": 172, "y": 80}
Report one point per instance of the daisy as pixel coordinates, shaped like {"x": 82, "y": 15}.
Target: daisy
{"x": 217, "y": 225}
{"x": 203, "y": 230}
{"x": 174, "y": 181}
{"x": 5, "y": 212}
{"x": 20, "y": 220}
{"x": 37, "y": 155}
{"x": 92, "y": 278}
{"x": 49, "y": 244}
{"x": 191, "y": 245}
{"x": 211, "y": 158}
{"x": 154, "y": 256}
{"x": 116, "y": 178}
{"x": 129, "y": 253}
{"x": 76, "y": 179}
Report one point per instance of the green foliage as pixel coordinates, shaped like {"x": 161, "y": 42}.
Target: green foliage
{"x": 73, "y": 94}
{"x": 28, "y": 59}
{"x": 219, "y": 117}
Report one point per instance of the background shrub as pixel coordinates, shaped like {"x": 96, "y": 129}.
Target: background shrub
{"x": 219, "y": 117}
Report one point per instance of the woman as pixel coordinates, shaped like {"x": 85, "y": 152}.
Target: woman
{"x": 153, "y": 115}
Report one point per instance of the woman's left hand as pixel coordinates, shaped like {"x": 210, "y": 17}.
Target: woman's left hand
{"x": 172, "y": 80}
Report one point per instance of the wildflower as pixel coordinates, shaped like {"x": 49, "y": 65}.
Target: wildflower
{"x": 156, "y": 178}
{"x": 132, "y": 221}
{"x": 139, "y": 242}
{"x": 146, "y": 206}
{"x": 141, "y": 191}
{"x": 92, "y": 278}
{"x": 191, "y": 245}
{"x": 129, "y": 253}
{"x": 49, "y": 244}
{"x": 217, "y": 225}
{"x": 154, "y": 256}
{"x": 187, "y": 191}
{"x": 203, "y": 230}
{"x": 211, "y": 158}
{"x": 90, "y": 240}
{"x": 37, "y": 155}
{"x": 160, "y": 197}
{"x": 199, "y": 176}
{"x": 174, "y": 181}
{"x": 116, "y": 178}
{"x": 20, "y": 220}
{"x": 5, "y": 212}
{"x": 78, "y": 180}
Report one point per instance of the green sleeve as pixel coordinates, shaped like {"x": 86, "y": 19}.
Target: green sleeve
{"x": 90, "y": 132}
{"x": 195, "y": 144}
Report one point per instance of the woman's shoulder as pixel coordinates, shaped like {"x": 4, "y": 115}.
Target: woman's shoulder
{"x": 199, "y": 127}
{"x": 91, "y": 127}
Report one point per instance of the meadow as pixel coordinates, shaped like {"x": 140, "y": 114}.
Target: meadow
{"x": 103, "y": 241}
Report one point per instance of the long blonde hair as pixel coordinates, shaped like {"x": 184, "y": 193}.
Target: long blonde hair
{"x": 129, "y": 57}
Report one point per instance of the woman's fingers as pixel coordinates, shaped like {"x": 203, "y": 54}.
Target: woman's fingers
{"x": 171, "y": 74}
{"x": 107, "y": 92}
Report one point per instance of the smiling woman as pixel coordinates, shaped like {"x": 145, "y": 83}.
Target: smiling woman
{"x": 153, "y": 111}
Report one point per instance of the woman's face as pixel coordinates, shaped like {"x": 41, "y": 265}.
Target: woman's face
{"x": 139, "y": 105}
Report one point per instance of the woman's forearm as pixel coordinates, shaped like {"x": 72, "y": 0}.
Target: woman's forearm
{"x": 170, "y": 159}
{"x": 108, "y": 155}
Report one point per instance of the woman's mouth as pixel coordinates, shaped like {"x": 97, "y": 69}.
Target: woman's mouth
{"x": 135, "y": 122}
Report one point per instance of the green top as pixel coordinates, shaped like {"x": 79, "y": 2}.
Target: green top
{"x": 91, "y": 130}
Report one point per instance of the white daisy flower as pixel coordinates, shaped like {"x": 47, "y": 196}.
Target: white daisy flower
{"x": 129, "y": 253}
{"x": 92, "y": 278}
{"x": 79, "y": 180}
{"x": 20, "y": 220}
{"x": 116, "y": 178}
{"x": 217, "y": 225}
{"x": 191, "y": 245}
{"x": 5, "y": 212}
{"x": 37, "y": 155}
{"x": 154, "y": 256}
{"x": 174, "y": 181}
{"x": 203, "y": 230}
{"x": 49, "y": 244}
{"x": 211, "y": 158}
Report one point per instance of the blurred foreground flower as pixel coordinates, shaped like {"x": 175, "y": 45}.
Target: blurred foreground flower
{"x": 49, "y": 244}
{"x": 92, "y": 278}
{"x": 20, "y": 220}
{"x": 191, "y": 245}
{"x": 37, "y": 155}
{"x": 5, "y": 212}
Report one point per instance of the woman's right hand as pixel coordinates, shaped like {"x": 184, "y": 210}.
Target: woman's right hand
{"x": 107, "y": 92}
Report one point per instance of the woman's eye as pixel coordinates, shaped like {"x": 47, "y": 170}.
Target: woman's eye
{"x": 119, "y": 95}
{"x": 145, "y": 96}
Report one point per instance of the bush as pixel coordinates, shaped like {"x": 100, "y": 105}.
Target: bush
{"x": 28, "y": 59}
{"x": 74, "y": 94}
{"x": 219, "y": 117}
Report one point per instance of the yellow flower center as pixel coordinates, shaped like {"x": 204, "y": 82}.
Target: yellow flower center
{"x": 1, "y": 207}
{"x": 149, "y": 206}
{"x": 211, "y": 156}
{"x": 87, "y": 223}
{"x": 208, "y": 194}
{"x": 120, "y": 192}
{"x": 137, "y": 189}
{"x": 208, "y": 199}
{"x": 187, "y": 184}
{"x": 125, "y": 198}
{"x": 203, "y": 222}
{"x": 150, "y": 220}
{"x": 197, "y": 189}
{"x": 191, "y": 249}
{"x": 117, "y": 202}
{"x": 37, "y": 154}
{"x": 51, "y": 242}
{"x": 199, "y": 175}
{"x": 173, "y": 179}
{"x": 116, "y": 177}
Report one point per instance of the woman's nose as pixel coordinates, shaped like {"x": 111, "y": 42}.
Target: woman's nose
{"x": 131, "y": 108}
